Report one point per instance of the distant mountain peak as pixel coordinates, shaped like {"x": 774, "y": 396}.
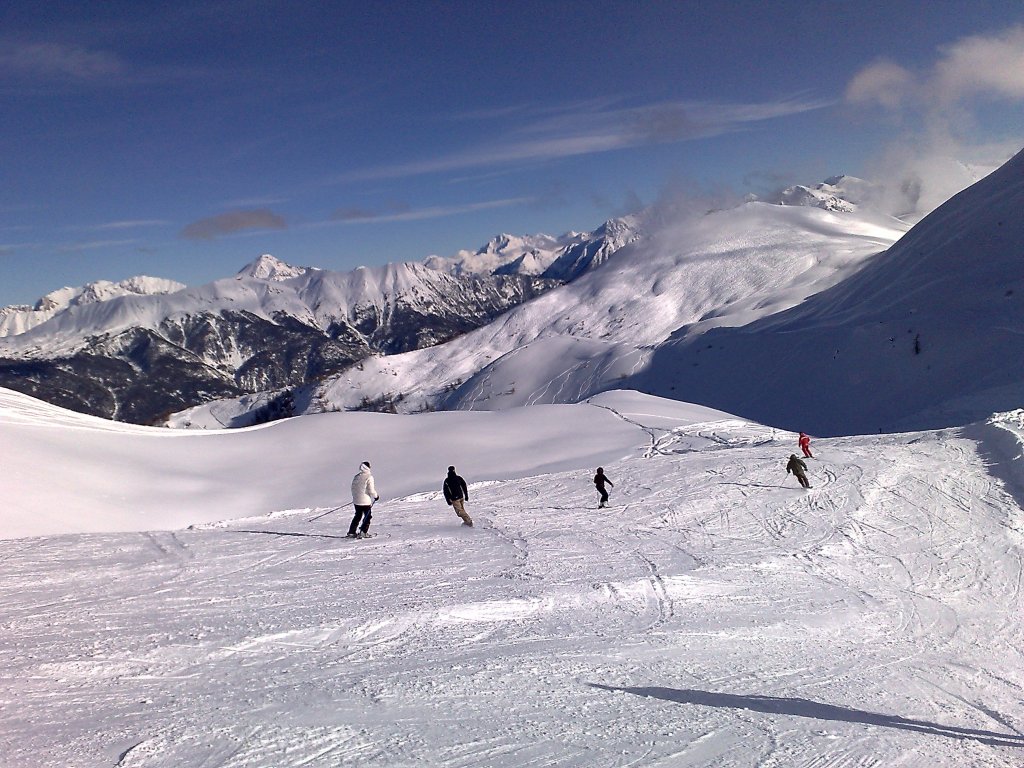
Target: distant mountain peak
{"x": 497, "y": 244}
{"x": 268, "y": 267}
{"x": 585, "y": 254}
{"x": 104, "y": 290}
{"x": 839, "y": 194}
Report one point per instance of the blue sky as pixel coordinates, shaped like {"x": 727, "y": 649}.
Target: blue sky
{"x": 182, "y": 140}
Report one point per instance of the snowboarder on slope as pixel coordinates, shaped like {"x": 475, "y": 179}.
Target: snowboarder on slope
{"x": 599, "y": 481}
{"x": 364, "y": 493}
{"x": 805, "y": 445}
{"x": 798, "y": 468}
{"x": 455, "y": 493}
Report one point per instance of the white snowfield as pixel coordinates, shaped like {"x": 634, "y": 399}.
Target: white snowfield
{"x": 714, "y": 615}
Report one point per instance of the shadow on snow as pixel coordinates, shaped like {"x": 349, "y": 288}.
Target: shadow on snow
{"x": 288, "y": 533}
{"x": 776, "y": 705}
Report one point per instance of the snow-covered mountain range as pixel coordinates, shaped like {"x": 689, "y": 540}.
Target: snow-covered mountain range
{"x": 563, "y": 258}
{"x": 136, "y": 354}
{"x": 19, "y": 318}
{"x": 505, "y": 254}
{"x": 698, "y": 271}
{"x": 145, "y": 347}
{"x": 926, "y": 335}
{"x": 693, "y": 306}
{"x": 807, "y": 316}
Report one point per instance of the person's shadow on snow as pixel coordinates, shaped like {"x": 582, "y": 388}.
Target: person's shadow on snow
{"x": 288, "y": 533}
{"x": 757, "y": 485}
{"x": 777, "y": 705}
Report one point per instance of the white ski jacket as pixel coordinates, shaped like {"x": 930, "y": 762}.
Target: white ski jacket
{"x": 363, "y": 490}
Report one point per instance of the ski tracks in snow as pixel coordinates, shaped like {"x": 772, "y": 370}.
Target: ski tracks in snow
{"x": 715, "y": 614}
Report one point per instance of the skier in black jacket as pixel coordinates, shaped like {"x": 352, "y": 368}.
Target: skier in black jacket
{"x": 599, "y": 481}
{"x": 455, "y": 493}
{"x": 798, "y": 468}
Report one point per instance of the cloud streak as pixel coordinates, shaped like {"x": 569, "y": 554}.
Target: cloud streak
{"x": 134, "y": 224}
{"x": 93, "y": 245}
{"x": 58, "y": 61}
{"x": 231, "y": 223}
{"x": 363, "y": 216}
{"x": 595, "y": 128}
{"x": 47, "y": 64}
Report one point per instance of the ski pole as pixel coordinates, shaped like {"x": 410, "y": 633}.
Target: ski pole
{"x": 325, "y": 514}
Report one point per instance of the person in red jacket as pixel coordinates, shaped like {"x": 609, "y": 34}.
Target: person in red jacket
{"x": 805, "y": 445}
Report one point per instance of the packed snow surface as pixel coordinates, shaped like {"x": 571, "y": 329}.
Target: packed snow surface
{"x": 714, "y": 615}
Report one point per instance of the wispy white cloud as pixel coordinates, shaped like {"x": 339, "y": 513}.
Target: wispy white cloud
{"x": 597, "y": 127}
{"x": 990, "y": 66}
{"x": 402, "y": 213}
{"x": 58, "y": 61}
{"x": 231, "y": 223}
{"x": 943, "y": 147}
{"x": 93, "y": 245}
{"x": 48, "y": 64}
{"x": 975, "y": 67}
{"x": 882, "y": 83}
{"x": 132, "y": 224}
{"x": 254, "y": 202}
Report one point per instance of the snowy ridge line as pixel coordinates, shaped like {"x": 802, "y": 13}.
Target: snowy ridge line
{"x": 653, "y": 448}
{"x": 1001, "y": 439}
{"x": 123, "y": 477}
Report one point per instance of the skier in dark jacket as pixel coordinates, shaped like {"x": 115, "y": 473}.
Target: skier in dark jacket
{"x": 455, "y": 493}
{"x": 798, "y": 468}
{"x": 599, "y": 481}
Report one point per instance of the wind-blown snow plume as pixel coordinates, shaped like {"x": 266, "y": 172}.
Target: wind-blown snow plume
{"x": 942, "y": 151}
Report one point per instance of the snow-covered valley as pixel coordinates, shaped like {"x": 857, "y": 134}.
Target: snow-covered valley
{"x": 715, "y": 615}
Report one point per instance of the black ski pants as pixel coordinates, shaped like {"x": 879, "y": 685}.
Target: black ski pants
{"x": 362, "y": 513}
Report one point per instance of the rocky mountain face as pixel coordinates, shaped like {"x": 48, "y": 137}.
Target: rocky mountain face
{"x": 137, "y": 356}
{"x": 586, "y": 254}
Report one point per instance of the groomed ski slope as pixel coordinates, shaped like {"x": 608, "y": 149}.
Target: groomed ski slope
{"x": 715, "y": 615}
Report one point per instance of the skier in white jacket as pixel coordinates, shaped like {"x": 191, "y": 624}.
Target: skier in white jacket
{"x": 364, "y": 493}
